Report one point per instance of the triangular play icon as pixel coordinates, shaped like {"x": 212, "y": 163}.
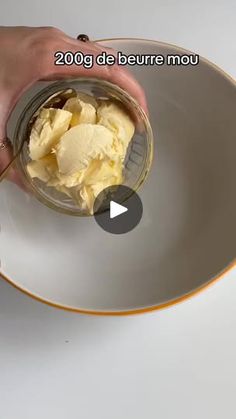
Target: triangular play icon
{"x": 116, "y": 209}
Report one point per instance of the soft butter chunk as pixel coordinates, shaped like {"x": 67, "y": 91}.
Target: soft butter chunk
{"x": 44, "y": 168}
{"x": 99, "y": 177}
{"x": 112, "y": 116}
{"x": 49, "y": 126}
{"x": 82, "y": 144}
{"x": 80, "y": 149}
{"x": 83, "y": 109}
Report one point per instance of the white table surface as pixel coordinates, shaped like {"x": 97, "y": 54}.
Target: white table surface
{"x": 176, "y": 363}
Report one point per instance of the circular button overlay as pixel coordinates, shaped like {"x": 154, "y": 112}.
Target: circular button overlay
{"x": 118, "y": 209}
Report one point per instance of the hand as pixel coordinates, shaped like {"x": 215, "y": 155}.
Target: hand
{"x": 27, "y": 55}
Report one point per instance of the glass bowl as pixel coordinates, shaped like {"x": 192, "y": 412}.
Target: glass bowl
{"x": 139, "y": 154}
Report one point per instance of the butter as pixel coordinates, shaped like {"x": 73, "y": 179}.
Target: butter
{"x": 82, "y": 144}
{"x": 113, "y": 116}
{"x": 80, "y": 149}
{"x": 103, "y": 175}
{"x": 49, "y": 126}
{"x": 83, "y": 110}
{"x": 44, "y": 168}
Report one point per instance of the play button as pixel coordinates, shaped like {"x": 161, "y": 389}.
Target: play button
{"x": 118, "y": 209}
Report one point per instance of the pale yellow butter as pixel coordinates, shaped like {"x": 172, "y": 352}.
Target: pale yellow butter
{"x": 82, "y": 112}
{"x": 44, "y": 168}
{"x": 82, "y": 144}
{"x": 80, "y": 149}
{"x": 49, "y": 126}
{"x": 113, "y": 116}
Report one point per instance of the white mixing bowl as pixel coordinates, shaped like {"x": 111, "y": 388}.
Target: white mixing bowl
{"x": 186, "y": 238}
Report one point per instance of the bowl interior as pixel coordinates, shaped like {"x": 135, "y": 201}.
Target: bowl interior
{"x": 187, "y": 233}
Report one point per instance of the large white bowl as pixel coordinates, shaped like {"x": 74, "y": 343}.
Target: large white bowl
{"x": 187, "y": 236}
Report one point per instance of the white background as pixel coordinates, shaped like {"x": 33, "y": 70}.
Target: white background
{"x": 176, "y": 363}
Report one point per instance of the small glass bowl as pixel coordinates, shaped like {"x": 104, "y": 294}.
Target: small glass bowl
{"x": 139, "y": 155}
